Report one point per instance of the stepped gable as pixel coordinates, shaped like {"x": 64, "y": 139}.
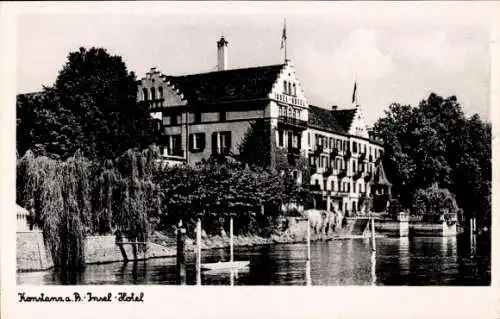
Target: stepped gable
{"x": 227, "y": 86}
{"x": 344, "y": 118}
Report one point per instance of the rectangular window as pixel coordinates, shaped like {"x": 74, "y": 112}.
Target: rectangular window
{"x": 280, "y": 138}
{"x": 309, "y": 139}
{"x": 197, "y": 117}
{"x": 221, "y": 142}
{"x": 197, "y": 142}
{"x": 222, "y": 116}
{"x": 174, "y": 145}
{"x": 174, "y": 119}
{"x": 166, "y": 119}
{"x": 354, "y": 147}
{"x": 295, "y": 141}
{"x": 354, "y": 187}
{"x": 331, "y": 143}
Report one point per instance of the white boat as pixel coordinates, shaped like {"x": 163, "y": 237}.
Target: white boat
{"x": 225, "y": 265}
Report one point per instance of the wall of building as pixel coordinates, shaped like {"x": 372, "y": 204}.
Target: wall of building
{"x": 31, "y": 251}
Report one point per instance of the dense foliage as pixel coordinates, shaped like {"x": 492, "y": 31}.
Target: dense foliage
{"x": 436, "y": 143}
{"x": 435, "y": 203}
{"x": 213, "y": 192}
{"x": 92, "y": 107}
{"x": 73, "y": 198}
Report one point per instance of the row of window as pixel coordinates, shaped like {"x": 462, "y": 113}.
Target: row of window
{"x": 290, "y": 112}
{"x": 340, "y": 163}
{"x": 345, "y": 187}
{"x": 289, "y": 88}
{"x": 146, "y": 95}
{"x": 288, "y": 139}
{"x": 341, "y": 145}
{"x": 176, "y": 119}
{"x": 221, "y": 143}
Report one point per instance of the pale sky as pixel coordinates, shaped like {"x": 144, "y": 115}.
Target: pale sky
{"x": 397, "y": 52}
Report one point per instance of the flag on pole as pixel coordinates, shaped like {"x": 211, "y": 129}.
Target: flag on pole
{"x": 354, "y": 97}
{"x": 283, "y": 36}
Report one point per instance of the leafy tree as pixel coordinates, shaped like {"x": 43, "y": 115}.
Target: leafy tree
{"x": 435, "y": 203}
{"x": 255, "y": 146}
{"x": 436, "y": 143}
{"x": 92, "y": 107}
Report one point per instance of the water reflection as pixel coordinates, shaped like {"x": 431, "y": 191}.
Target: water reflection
{"x": 397, "y": 261}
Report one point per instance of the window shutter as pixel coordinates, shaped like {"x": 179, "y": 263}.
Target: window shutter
{"x": 202, "y": 142}
{"x": 228, "y": 141}
{"x": 214, "y": 142}
{"x": 191, "y": 142}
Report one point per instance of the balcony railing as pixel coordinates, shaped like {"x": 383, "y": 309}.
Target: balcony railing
{"x": 334, "y": 153}
{"x": 342, "y": 173}
{"x": 347, "y": 154}
{"x": 318, "y": 150}
{"x": 291, "y": 121}
{"x": 368, "y": 176}
{"x": 357, "y": 175}
{"x": 328, "y": 171}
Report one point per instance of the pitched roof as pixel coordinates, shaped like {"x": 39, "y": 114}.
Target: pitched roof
{"x": 323, "y": 119}
{"x": 227, "y": 86}
{"x": 344, "y": 118}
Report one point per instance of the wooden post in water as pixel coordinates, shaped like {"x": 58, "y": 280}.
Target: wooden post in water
{"x": 374, "y": 247}
{"x": 374, "y": 264}
{"x": 308, "y": 273}
{"x": 181, "y": 258}
{"x": 308, "y": 239}
{"x": 198, "y": 252}
{"x": 231, "y": 239}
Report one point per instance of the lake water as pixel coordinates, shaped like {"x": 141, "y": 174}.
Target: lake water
{"x": 397, "y": 261}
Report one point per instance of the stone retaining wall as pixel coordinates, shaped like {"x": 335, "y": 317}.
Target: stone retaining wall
{"x": 103, "y": 249}
{"x": 432, "y": 229}
{"x": 31, "y": 252}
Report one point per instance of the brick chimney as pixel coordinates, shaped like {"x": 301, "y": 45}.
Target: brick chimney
{"x": 334, "y": 107}
{"x": 222, "y": 54}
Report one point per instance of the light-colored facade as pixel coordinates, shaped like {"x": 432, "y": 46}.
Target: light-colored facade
{"x": 203, "y": 114}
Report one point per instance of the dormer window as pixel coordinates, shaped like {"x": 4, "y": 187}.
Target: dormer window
{"x": 153, "y": 94}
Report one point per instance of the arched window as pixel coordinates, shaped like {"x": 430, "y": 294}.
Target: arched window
{"x": 285, "y": 86}
{"x": 153, "y": 94}
{"x": 294, "y": 90}
{"x": 145, "y": 94}
{"x": 289, "y": 88}
{"x": 160, "y": 92}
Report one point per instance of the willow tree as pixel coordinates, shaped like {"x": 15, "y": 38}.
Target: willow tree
{"x": 58, "y": 193}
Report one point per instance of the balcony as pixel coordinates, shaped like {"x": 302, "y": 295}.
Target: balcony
{"x": 357, "y": 175}
{"x": 334, "y": 153}
{"x": 318, "y": 150}
{"x": 368, "y": 176}
{"x": 347, "y": 154}
{"x": 328, "y": 171}
{"x": 313, "y": 169}
{"x": 342, "y": 173}
{"x": 291, "y": 122}
{"x": 362, "y": 156}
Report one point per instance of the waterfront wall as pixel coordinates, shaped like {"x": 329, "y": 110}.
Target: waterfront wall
{"x": 442, "y": 229}
{"x": 31, "y": 252}
{"x": 103, "y": 249}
